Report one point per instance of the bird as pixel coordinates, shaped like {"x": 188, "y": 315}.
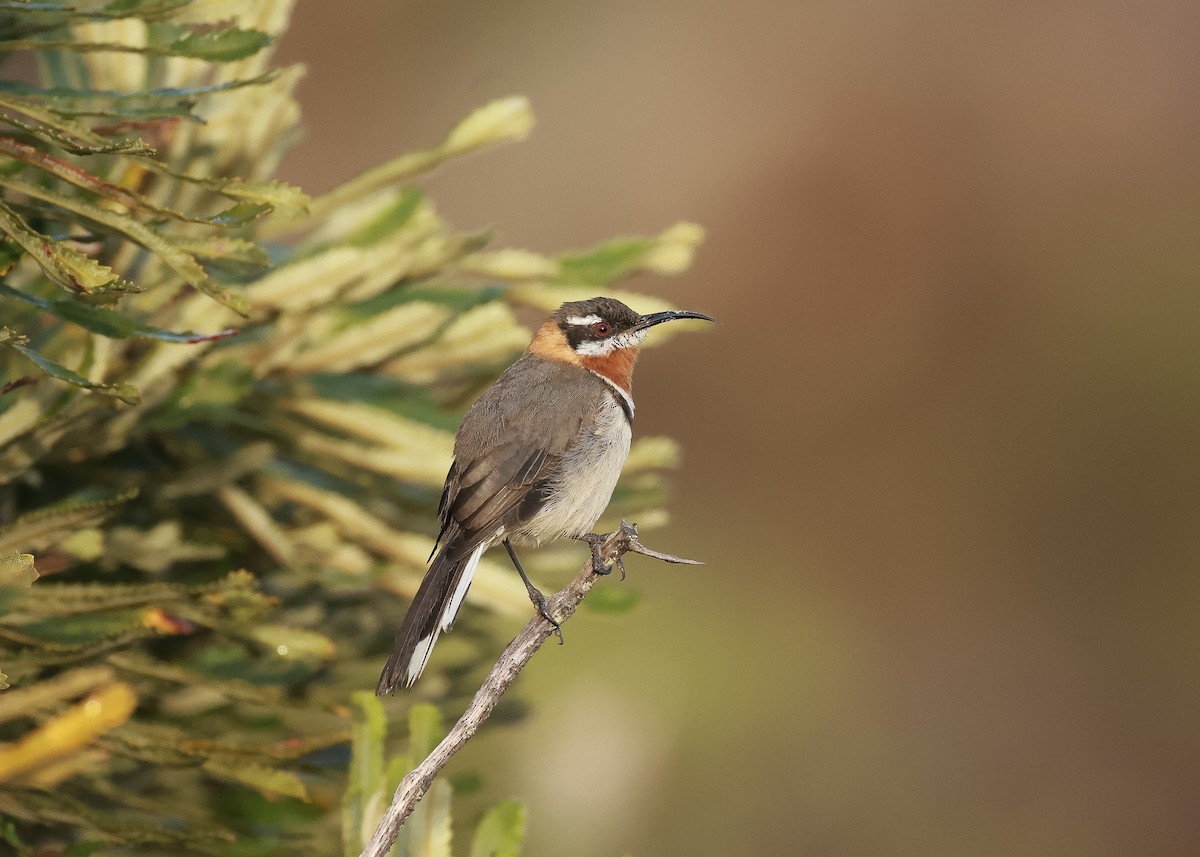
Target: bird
{"x": 536, "y": 458}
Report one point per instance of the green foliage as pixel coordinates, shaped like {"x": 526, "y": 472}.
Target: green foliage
{"x": 373, "y": 779}
{"x": 225, "y": 414}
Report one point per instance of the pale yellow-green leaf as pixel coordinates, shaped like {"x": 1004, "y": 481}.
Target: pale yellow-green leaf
{"x": 179, "y": 261}
{"x": 286, "y": 199}
{"x": 486, "y": 334}
{"x": 404, "y": 465}
{"x": 17, "y": 571}
{"x": 651, "y": 453}
{"x": 44, "y": 527}
{"x": 52, "y": 691}
{"x": 347, "y": 223}
{"x": 210, "y": 475}
{"x": 365, "y": 789}
{"x": 269, "y": 17}
{"x": 510, "y": 264}
{"x": 155, "y": 374}
{"x": 503, "y": 120}
{"x": 51, "y": 775}
{"x": 378, "y": 426}
{"x": 20, "y": 417}
{"x": 62, "y": 263}
{"x": 156, "y": 549}
{"x": 124, "y": 72}
{"x": 68, "y": 133}
{"x": 501, "y": 832}
{"x": 225, "y": 248}
{"x": 495, "y": 585}
{"x": 430, "y": 823}
{"x": 373, "y": 341}
{"x": 309, "y": 282}
{"x": 269, "y": 782}
{"x": 646, "y": 519}
{"x": 674, "y": 249}
{"x": 355, "y": 521}
{"x": 86, "y": 544}
{"x": 258, "y": 522}
{"x": 321, "y": 544}
{"x": 294, "y": 642}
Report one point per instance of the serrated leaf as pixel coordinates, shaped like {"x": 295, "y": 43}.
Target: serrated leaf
{"x": 269, "y": 782}
{"x": 65, "y": 265}
{"x": 223, "y": 45}
{"x": 52, "y": 692}
{"x": 67, "y": 134}
{"x": 256, "y": 199}
{"x": 240, "y": 214}
{"x": 17, "y": 574}
{"x": 179, "y": 261}
{"x": 17, "y": 571}
{"x": 85, "y": 629}
{"x": 125, "y": 392}
{"x": 58, "y": 97}
{"x": 225, "y": 248}
{"x": 295, "y": 643}
{"x": 69, "y": 599}
{"x": 501, "y": 832}
{"x": 39, "y": 804}
{"x": 148, "y": 9}
{"x": 279, "y": 195}
{"x": 43, "y": 526}
{"x": 109, "y": 323}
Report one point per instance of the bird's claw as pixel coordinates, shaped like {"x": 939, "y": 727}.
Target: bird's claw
{"x": 543, "y": 609}
{"x": 599, "y": 566}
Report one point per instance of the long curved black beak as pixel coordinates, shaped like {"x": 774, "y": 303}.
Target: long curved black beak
{"x": 670, "y": 315}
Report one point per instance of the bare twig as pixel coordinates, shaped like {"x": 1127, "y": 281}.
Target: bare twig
{"x": 514, "y": 658}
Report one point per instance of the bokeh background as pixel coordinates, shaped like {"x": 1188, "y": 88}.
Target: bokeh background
{"x": 941, "y": 454}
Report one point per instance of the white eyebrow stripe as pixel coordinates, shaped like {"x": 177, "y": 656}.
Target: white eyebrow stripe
{"x": 584, "y": 319}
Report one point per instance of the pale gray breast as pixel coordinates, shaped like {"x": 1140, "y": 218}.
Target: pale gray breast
{"x": 585, "y": 480}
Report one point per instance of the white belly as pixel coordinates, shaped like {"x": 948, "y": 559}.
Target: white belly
{"x": 590, "y": 472}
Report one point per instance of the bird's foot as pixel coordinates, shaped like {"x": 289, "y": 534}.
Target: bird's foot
{"x": 535, "y": 594}
{"x": 599, "y": 566}
{"x": 543, "y": 609}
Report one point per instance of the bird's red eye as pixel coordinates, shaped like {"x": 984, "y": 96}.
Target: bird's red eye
{"x": 602, "y": 328}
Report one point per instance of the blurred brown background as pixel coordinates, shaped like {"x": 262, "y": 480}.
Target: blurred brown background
{"x": 942, "y": 451}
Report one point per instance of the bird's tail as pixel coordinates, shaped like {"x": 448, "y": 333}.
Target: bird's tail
{"x": 432, "y": 611}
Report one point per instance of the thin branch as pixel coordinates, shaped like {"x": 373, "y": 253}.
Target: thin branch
{"x": 514, "y": 658}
